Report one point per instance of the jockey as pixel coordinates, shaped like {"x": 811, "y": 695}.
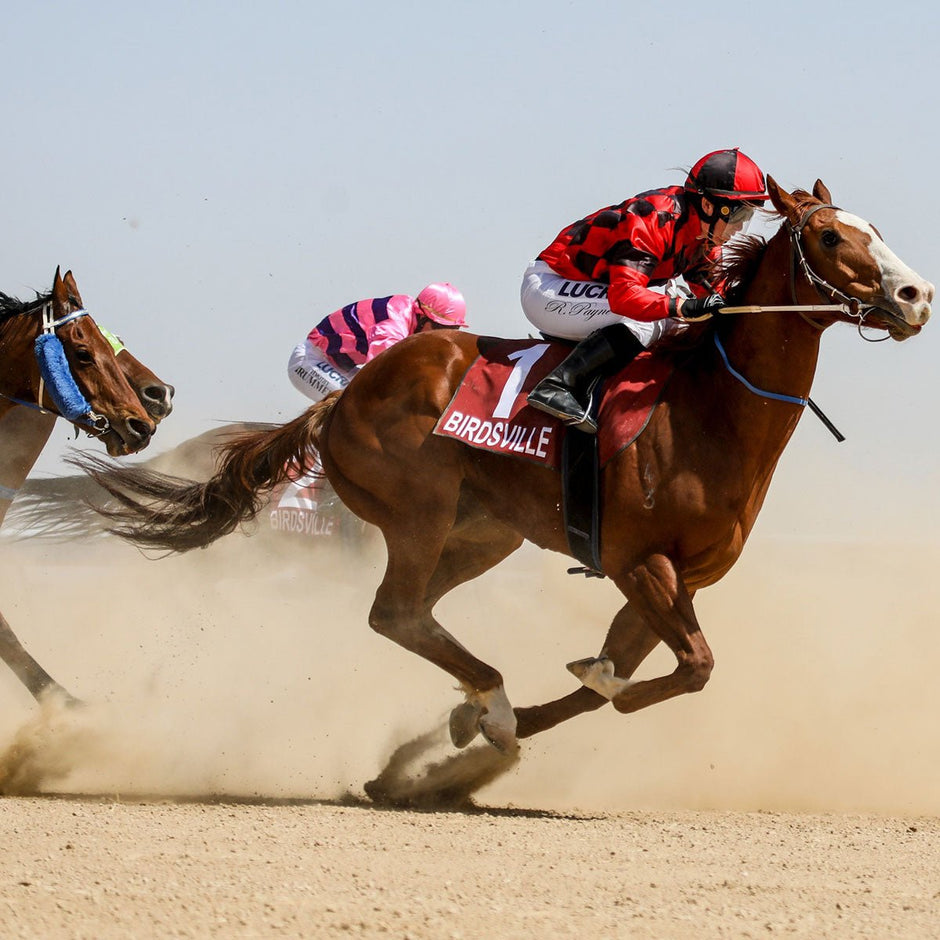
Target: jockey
{"x": 338, "y": 346}
{"x": 592, "y": 282}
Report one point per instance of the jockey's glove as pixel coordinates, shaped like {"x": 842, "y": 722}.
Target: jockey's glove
{"x": 696, "y": 309}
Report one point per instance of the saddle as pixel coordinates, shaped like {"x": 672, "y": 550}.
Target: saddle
{"x": 489, "y": 411}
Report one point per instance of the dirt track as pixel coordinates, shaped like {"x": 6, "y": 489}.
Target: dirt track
{"x": 796, "y": 795}
{"x": 82, "y": 868}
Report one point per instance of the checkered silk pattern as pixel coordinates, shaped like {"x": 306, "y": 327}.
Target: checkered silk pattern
{"x": 643, "y": 242}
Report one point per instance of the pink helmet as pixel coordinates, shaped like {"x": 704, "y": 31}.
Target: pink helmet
{"x": 443, "y": 304}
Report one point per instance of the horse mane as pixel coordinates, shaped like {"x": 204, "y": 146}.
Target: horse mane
{"x": 741, "y": 257}
{"x": 738, "y": 264}
{"x": 11, "y": 306}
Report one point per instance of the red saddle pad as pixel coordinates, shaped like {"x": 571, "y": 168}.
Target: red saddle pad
{"x": 489, "y": 409}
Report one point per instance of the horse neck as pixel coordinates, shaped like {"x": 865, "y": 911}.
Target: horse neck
{"x": 776, "y": 352}
{"x": 19, "y": 372}
{"x": 23, "y": 434}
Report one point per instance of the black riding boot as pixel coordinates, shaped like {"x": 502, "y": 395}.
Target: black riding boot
{"x": 567, "y": 392}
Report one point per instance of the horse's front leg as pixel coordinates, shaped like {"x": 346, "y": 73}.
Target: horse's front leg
{"x": 658, "y": 593}
{"x": 26, "y": 669}
{"x": 629, "y": 641}
{"x": 23, "y": 434}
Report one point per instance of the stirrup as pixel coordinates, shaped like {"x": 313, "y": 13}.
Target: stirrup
{"x": 584, "y": 419}
{"x": 565, "y": 417}
{"x": 545, "y": 398}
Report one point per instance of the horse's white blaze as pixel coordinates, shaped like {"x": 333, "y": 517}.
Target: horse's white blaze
{"x": 900, "y": 284}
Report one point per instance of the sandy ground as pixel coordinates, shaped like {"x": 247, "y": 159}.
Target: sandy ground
{"x": 237, "y": 704}
{"x": 80, "y": 868}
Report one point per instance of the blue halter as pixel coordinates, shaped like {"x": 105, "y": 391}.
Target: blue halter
{"x": 54, "y": 371}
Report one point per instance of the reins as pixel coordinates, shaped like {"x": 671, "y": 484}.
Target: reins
{"x": 848, "y": 306}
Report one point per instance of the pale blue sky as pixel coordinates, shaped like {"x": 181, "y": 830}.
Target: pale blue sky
{"x": 221, "y": 175}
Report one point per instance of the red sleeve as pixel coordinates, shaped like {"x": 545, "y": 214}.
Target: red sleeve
{"x": 630, "y": 297}
{"x": 644, "y": 247}
{"x": 629, "y": 294}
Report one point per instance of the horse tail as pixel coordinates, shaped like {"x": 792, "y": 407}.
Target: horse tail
{"x": 57, "y": 508}
{"x": 160, "y": 511}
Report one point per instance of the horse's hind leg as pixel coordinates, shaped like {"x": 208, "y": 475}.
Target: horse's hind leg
{"x": 402, "y": 612}
{"x": 629, "y": 641}
{"x": 476, "y": 543}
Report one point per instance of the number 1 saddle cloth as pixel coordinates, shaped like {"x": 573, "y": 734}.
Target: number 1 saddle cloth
{"x": 489, "y": 409}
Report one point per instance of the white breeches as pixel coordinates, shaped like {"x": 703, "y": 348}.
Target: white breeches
{"x": 313, "y": 374}
{"x": 558, "y": 306}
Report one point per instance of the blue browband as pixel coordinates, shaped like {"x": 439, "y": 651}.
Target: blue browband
{"x": 776, "y": 396}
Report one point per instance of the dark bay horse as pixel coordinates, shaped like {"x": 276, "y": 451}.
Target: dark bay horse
{"x": 678, "y": 504}
{"x": 125, "y": 397}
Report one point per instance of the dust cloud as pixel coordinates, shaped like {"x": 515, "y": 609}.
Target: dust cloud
{"x": 249, "y": 670}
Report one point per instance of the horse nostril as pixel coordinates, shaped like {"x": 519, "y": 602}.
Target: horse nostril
{"x": 141, "y": 430}
{"x": 157, "y": 399}
{"x": 908, "y": 294}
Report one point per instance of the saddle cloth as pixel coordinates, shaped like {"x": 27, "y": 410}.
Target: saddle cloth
{"x": 489, "y": 409}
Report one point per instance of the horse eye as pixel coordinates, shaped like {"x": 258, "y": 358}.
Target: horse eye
{"x": 829, "y": 238}
{"x": 84, "y": 356}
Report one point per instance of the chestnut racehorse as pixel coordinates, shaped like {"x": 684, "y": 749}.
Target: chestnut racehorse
{"x": 126, "y": 399}
{"x": 677, "y": 504}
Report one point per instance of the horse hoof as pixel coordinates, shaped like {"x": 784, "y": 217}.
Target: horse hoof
{"x": 500, "y": 737}
{"x": 588, "y": 669}
{"x": 597, "y": 674}
{"x": 60, "y": 696}
{"x": 498, "y": 721}
{"x": 464, "y": 723}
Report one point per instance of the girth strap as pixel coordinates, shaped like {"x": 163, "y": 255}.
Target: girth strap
{"x": 580, "y": 475}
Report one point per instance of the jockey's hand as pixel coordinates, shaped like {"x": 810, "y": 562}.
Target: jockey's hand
{"x": 695, "y": 309}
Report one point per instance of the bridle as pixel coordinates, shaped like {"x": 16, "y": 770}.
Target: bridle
{"x": 95, "y": 424}
{"x": 844, "y": 304}
{"x": 849, "y": 306}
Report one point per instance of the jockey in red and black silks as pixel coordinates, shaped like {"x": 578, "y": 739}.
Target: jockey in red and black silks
{"x": 646, "y": 240}
{"x": 593, "y": 282}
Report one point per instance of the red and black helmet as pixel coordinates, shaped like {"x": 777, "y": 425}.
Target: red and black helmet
{"x": 727, "y": 175}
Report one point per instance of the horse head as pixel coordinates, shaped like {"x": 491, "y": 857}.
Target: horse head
{"x": 845, "y": 260}
{"x": 120, "y": 420}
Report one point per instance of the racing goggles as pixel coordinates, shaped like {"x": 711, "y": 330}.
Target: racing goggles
{"x": 736, "y": 213}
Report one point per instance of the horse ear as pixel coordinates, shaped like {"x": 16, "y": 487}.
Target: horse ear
{"x": 72, "y": 288}
{"x": 782, "y": 201}
{"x": 821, "y": 192}
{"x": 60, "y": 294}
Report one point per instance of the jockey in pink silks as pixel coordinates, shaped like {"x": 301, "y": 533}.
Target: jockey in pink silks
{"x": 340, "y": 344}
